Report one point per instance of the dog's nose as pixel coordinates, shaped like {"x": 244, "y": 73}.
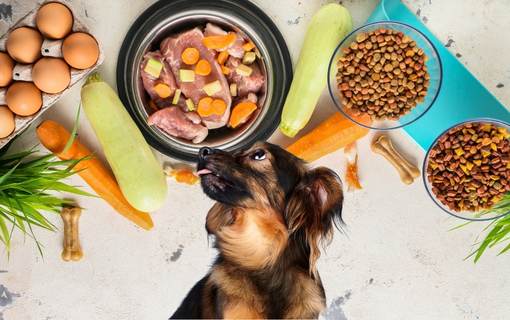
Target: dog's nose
{"x": 204, "y": 152}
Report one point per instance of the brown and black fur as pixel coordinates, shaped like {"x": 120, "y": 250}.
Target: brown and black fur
{"x": 271, "y": 215}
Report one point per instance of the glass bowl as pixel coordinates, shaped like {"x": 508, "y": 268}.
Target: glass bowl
{"x": 433, "y": 64}
{"x": 466, "y": 215}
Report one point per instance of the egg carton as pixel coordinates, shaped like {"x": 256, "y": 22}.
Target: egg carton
{"x": 49, "y": 48}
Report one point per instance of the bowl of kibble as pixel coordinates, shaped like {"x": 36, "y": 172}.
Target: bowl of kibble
{"x": 389, "y": 70}
{"x": 467, "y": 170}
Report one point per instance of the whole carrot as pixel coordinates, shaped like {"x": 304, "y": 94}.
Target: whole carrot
{"x": 332, "y": 134}
{"x": 54, "y": 137}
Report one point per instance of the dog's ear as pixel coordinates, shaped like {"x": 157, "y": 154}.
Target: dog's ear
{"x": 314, "y": 208}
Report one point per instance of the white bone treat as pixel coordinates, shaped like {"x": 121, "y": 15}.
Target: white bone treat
{"x": 383, "y": 146}
{"x": 54, "y": 49}
{"x": 72, "y": 250}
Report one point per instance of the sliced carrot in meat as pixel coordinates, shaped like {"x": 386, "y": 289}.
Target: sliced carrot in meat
{"x": 208, "y": 107}
{"x": 204, "y": 106}
{"x": 225, "y": 70}
{"x": 241, "y": 113}
{"x": 222, "y": 57}
{"x": 190, "y": 56}
{"x": 219, "y": 106}
{"x": 163, "y": 90}
{"x": 219, "y": 42}
{"x": 203, "y": 68}
{"x": 248, "y": 46}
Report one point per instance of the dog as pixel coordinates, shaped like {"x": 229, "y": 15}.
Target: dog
{"x": 271, "y": 215}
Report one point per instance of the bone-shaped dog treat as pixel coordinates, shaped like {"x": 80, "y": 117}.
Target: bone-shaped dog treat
{"x": 72, "y": 248}
{"x": 407, "y": 171}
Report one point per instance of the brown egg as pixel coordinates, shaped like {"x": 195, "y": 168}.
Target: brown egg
{"x": 51, "y": 75}
{"x": 24, "y": 45}
{"x": 80, "y": 50}
{"x": 23, "y": 98}
{"x": 6, "y": 66}
{"x": 54, "y": 20}
{"x": 7, "y": 124}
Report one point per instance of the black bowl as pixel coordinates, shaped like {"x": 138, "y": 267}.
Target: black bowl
{"x": 167, "y": 17}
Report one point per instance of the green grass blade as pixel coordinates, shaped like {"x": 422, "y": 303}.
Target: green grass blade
{"x": 504, "y": 250}
{"x": 27, "y": 183}
{"x": 59, "y": 186}
{"x": 486, "y": 242}
{"x": 460, "y": 226}
{"x": 4, "y": 235}
{"x": 8, "y": 173}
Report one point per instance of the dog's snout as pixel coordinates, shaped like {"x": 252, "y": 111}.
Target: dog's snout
{"x": 204, "y": 152}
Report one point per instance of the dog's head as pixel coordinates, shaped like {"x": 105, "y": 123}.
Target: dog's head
{"x": 291, "y": 202}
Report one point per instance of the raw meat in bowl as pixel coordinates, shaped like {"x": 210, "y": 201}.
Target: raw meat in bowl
{"x": 172, "y": 48}
{"x": 150, "y": 80}
{"x": 181, "y": 124}
{"x": 196, "y": 79}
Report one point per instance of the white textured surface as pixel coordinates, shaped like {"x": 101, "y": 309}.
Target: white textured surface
{"x": 398, "y": 261}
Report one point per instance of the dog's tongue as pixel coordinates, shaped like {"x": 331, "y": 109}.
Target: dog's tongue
{"x": 203, "y": 172}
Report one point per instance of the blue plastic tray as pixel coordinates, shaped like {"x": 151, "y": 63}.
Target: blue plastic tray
{"x": 462, "y": 96}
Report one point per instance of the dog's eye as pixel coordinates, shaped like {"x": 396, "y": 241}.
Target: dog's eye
{"x": 258, "y": 155}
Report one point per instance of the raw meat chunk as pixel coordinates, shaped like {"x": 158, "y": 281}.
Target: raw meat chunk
{"x": 253, "y": 83}
{"x": 177, "y": 123}
{"x": 172, "y": 48}
{"x": 165, "y": 77}
{"x": 236, "y": 49}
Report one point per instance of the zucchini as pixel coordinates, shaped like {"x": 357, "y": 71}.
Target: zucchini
{"x": 139, "y": 174}
{"x": 328, "y": 26}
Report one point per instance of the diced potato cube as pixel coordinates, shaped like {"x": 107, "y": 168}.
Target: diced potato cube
{"x": 212, "y": 88}
{"x": 244, "y": 70}
{"x": 249, "y": 57}
{"x": 153, "y": 67}
{"x": 233, "y": 89}
{"x": 186, "y": 75}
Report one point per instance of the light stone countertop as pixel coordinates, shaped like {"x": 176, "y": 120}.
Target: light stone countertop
{"x": 398, "y": 260}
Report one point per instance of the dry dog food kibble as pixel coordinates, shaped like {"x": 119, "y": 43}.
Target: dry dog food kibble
{"x": 382, "y": 73}
{"x": 469, "y": 167}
